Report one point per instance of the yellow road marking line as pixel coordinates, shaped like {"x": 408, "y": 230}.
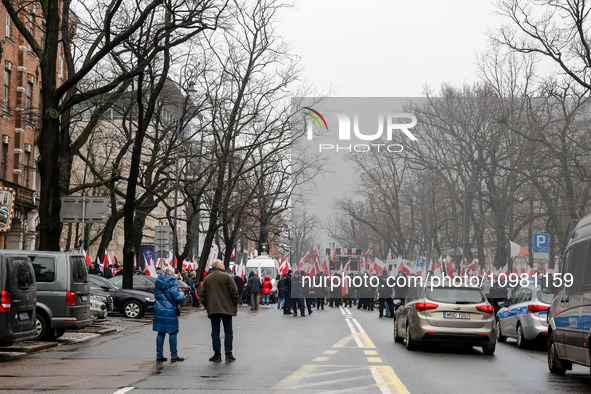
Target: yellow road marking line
{"x": 319, "y": 359}
{"x": 326, "y": 382}
{"x": 370, "y": 352}
{"x": 329, "y": 352}
{"x": 293, "y": 378}
{"x": 366, "y": 341}
{"x": 374, "y": 359}
{"x": 339, "y": 371}
{"x": 343, "y": 341}
{"x": 387, "y": 380}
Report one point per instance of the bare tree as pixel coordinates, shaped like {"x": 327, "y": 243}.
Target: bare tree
{"x": 106, "y": 26}
{"x": 558, "y": 30}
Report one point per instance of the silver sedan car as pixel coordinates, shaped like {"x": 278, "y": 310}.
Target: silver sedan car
{"x": 524, "y": 316}
{"x": 447, "y": 314}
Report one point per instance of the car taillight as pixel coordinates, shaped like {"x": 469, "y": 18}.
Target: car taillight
{"x": 425, "y": 306}
{"x": 486, "y": 309}
{"x": 71, "y": 298}
{"x": 5, "y": 301}
{"x": 537, "y": 308}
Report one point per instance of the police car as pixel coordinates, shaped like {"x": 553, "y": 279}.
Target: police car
{"x": 524, "y": 316}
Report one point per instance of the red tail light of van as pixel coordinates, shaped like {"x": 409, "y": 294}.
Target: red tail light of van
{"x": 5, "y": 301}
{"x": 71, "y": 298}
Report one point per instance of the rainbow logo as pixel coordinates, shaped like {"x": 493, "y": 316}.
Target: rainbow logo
{"x": 316, "y": 118}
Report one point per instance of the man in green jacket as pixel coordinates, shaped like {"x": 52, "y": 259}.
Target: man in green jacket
{"x": 219, "y": 294}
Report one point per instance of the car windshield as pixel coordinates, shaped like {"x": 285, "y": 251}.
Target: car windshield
{"x": 452, "y": 295}
{"x": 116, "y": 281}
{"x": 98, "y": 283}
{"x": 545, "y": 298}
{"x": 265, "y": 271}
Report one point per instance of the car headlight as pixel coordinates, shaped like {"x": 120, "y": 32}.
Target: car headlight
{"x": 99, "y": 298}
{"x": 150, "y": 299}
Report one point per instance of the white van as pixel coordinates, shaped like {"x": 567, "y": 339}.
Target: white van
{"x": 569, "y": 330}
{"x": 268, "y": 267}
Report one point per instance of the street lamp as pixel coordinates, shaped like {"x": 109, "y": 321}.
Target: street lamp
{"x": 176, "y": 186}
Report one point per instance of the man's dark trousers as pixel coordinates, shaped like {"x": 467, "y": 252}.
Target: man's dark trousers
{"x": 216, "y": 318}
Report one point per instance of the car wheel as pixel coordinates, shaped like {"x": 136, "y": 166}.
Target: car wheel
{"x": 500, "y": 337}
{"x": 555, "y": 364}
{"x": 397, "y": 338}
{"x": 521, "y": 341}
{"x": 488, "y": 349}
{"x": 410, "y": 343}
{"x": 41, "y": 326}
{"x": 133, "y": 309}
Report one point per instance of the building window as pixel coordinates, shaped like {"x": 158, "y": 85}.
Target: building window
{"x": 8, "y": 27}
{"x": 29, "y": 100}
{"x": 31, "y": 20}
{"x": 42, "y": 39}
{"x": 6, "y": 103}
{"x": 61, "y": 74}
{"x": 3, "y": 159}
{"x": 26, "y": 161}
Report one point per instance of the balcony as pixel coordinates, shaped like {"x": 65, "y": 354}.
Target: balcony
{"x": 24, "y": 195}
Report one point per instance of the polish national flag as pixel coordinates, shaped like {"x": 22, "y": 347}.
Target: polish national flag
{"x": 450, "y": 270}
{"x": 150, "y": 269}
{"x": 517, "y": 250}
{"x": 87, "y": 258}
{"x": 379, "y": 266}
{"x": 325, "y": 269}
{"x": 389, "y": 254}
{"x": 233, "y": 253}
{"x": 334, "y": 255}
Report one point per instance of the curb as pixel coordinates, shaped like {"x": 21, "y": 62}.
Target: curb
{"x": 99, "y": 330}
{"x": 28, "y": 346}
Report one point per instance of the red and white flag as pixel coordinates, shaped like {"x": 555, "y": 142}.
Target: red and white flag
{"x": 517, "y": 250}
{"x": 379, "y": 266}
{"x": 150, "y": 269}
{"x": 87, "y": 258}
{"x": 389, "y": 254}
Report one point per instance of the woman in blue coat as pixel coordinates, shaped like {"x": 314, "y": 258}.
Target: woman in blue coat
{"x": 166, "y": 297}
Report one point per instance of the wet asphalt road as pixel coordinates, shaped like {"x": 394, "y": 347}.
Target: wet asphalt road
{"x": 333, "y": 350}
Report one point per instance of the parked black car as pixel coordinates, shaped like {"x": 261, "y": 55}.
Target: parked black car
{"x": 148, "y": 283}
{"x": 103, "y": 296}
{"x": 132, "y": 304}
{"x": 63, "y": 292}
{"x": 18, "y": 296}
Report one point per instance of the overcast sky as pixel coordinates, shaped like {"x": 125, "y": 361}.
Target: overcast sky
{"x": 383, "y": 48}
{"x": 388, "y": 48}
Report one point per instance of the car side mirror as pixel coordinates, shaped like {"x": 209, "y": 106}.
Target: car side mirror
{"x": 502, "y": 304}
{"x": 105, "y": 287}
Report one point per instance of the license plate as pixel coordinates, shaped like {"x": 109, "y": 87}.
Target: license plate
{"x": 456, "y": 315}
{"x": 23, "y": 315}
{"x": 84, "y": 298}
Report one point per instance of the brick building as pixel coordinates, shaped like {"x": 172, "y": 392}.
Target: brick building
{"x": 20, "y": 104}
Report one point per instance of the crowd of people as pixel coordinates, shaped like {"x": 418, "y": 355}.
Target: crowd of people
{"x": 220, "y": 293}
{"x": 296, "y": 296}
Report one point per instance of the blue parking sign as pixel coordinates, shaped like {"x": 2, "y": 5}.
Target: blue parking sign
{"x": 420, "y": 262}
{"x": 541, "y": 243}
